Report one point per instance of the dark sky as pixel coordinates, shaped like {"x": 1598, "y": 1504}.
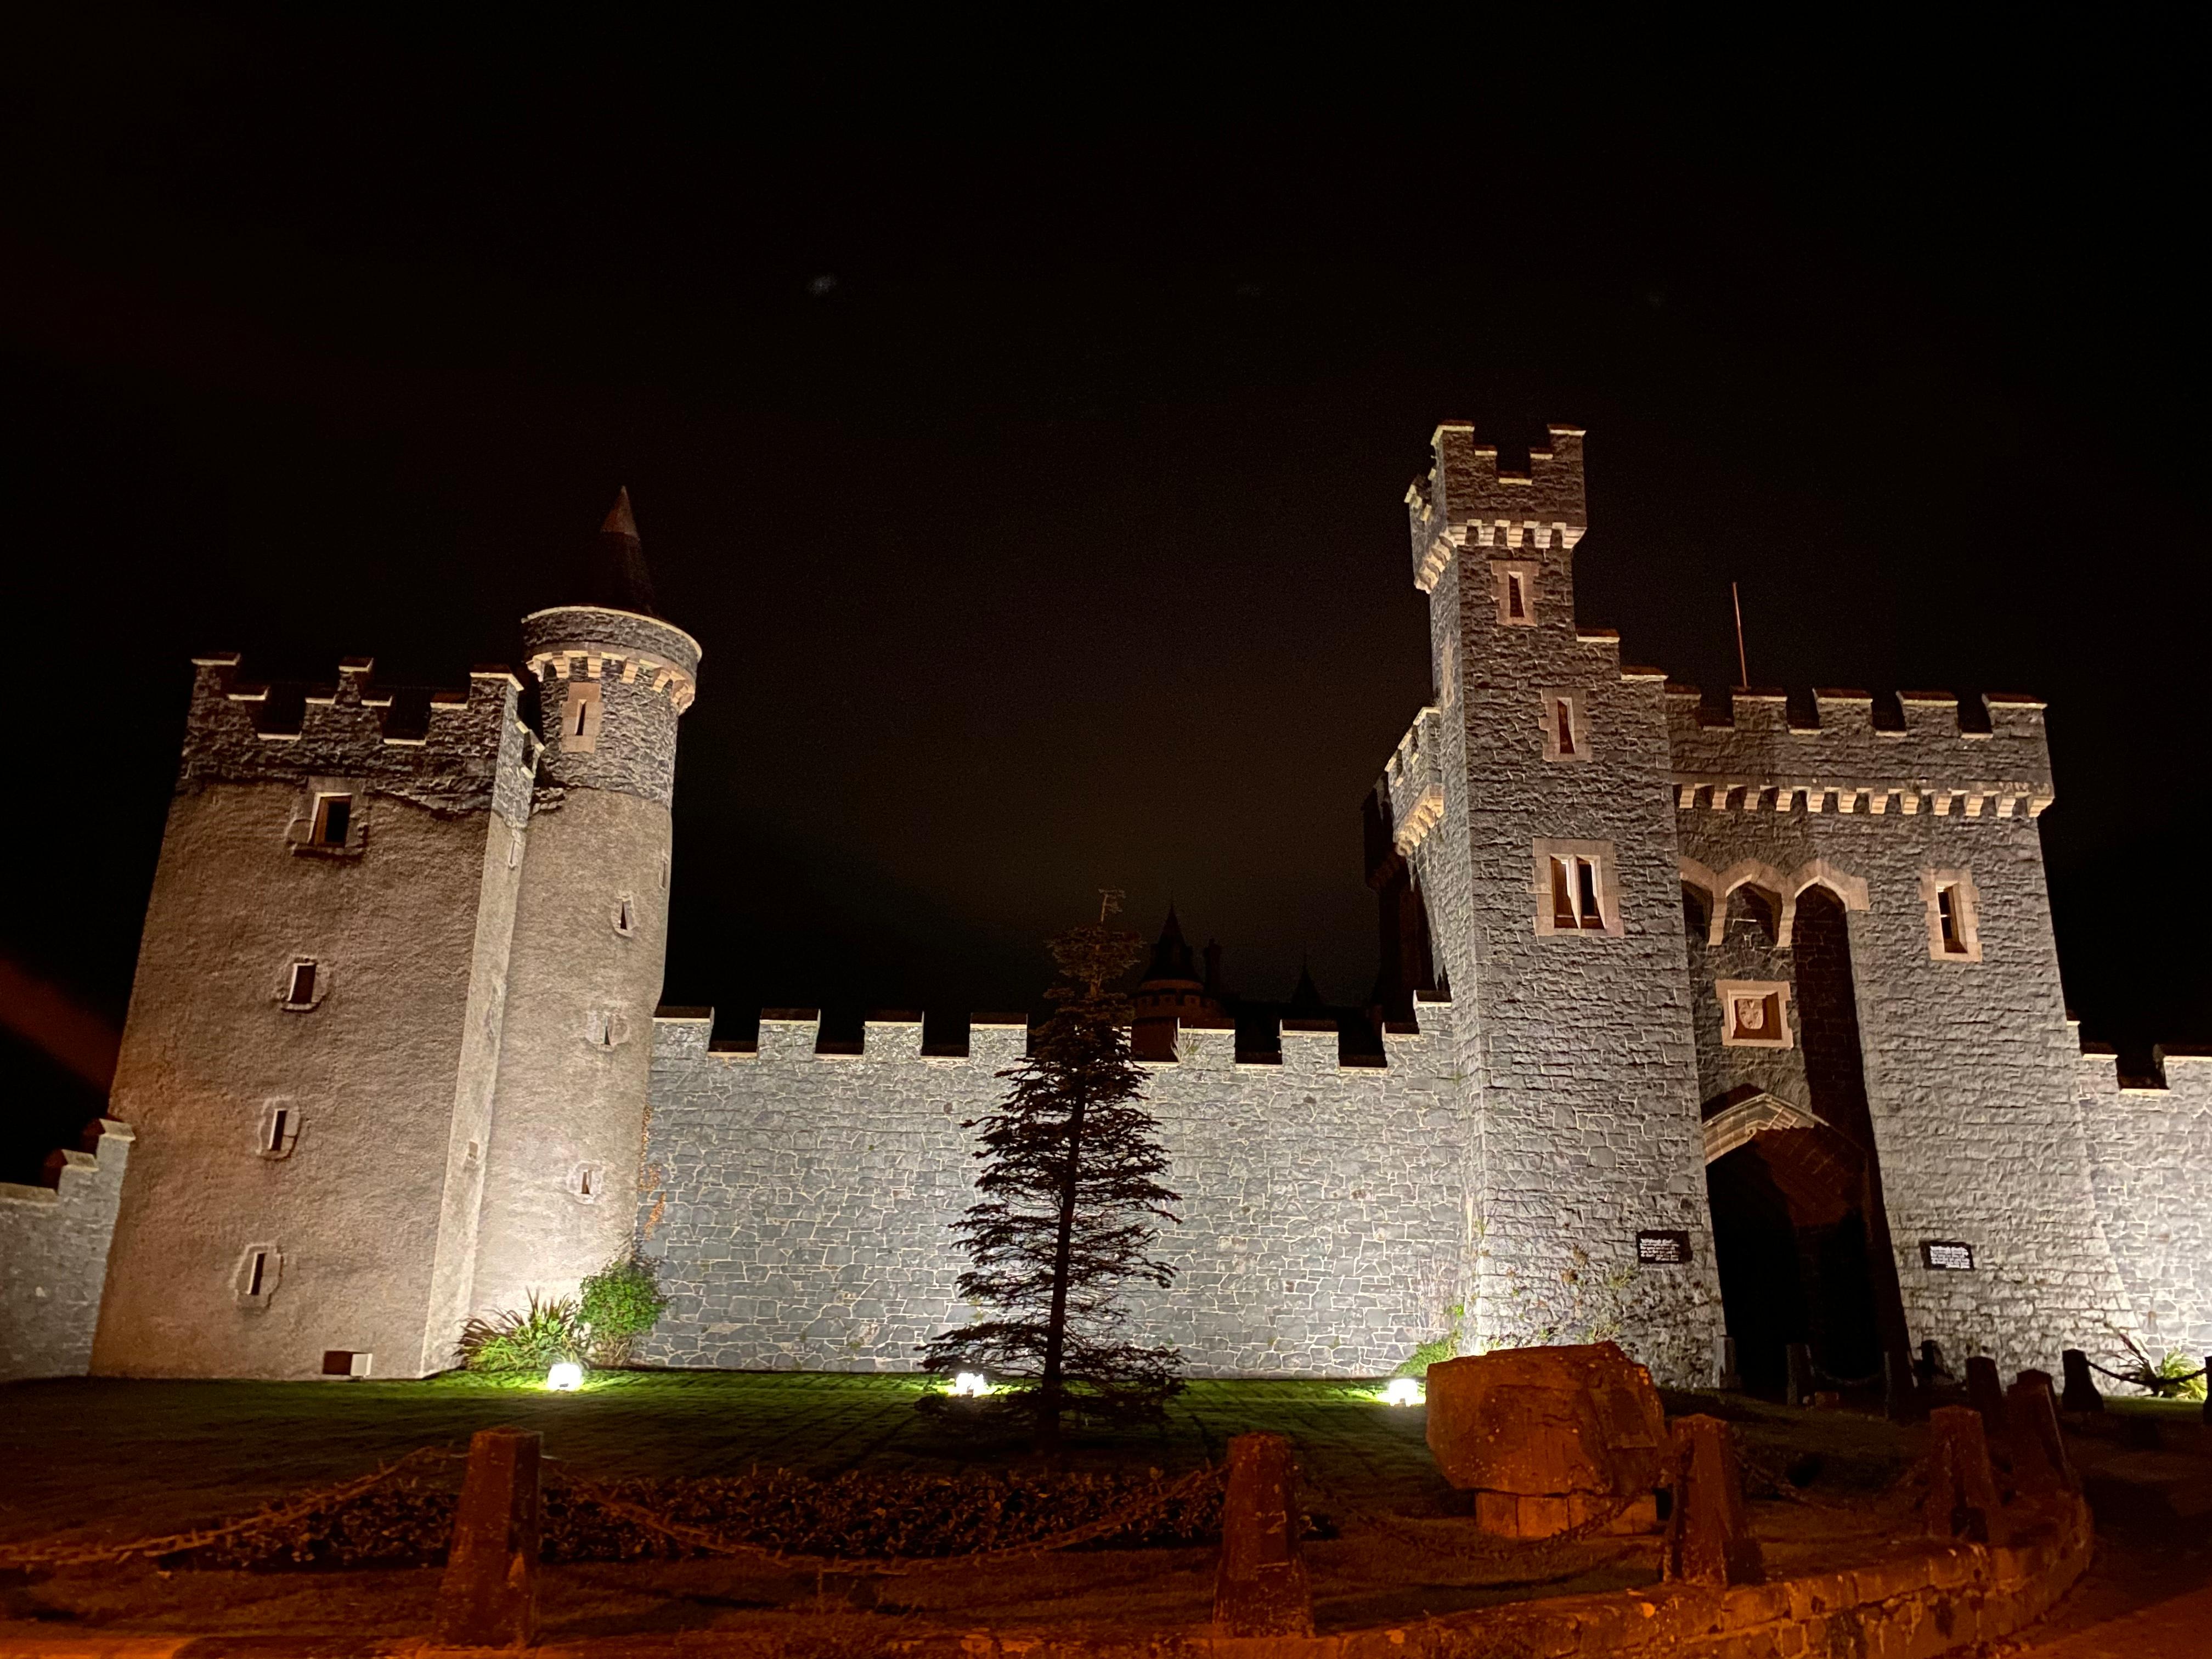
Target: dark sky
{"x": 1030, "y": 458}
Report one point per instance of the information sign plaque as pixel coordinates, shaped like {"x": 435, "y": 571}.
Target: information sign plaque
{"x": 1662, "y": 1247}
{"x": 1947, "y": 1255}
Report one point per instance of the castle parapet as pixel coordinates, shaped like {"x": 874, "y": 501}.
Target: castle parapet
{"x": 471, "y": 750}
{"x": 1465, "y": 500}
{"x": 1992, "y": 762}
{"x": 793, "y": 1036}
{"x": 1411, "y": 786}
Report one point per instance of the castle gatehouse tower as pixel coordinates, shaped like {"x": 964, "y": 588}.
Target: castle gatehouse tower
{"x": 1530, "y": 801}
{"x": 591, "y": 932}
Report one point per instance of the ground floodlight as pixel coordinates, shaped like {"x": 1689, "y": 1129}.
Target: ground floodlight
{"x": 565, "y": 1378}
{"x": 970, "y": 1385}
{"x": 1404, "y": 1391}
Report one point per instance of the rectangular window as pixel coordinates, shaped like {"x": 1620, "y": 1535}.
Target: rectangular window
{"x": 579, "y": 717}
{"x": 1562, "y": 893}
{"x": 300, "y": 990}
{"x": 1516, "y": 591}
{"x": 1575, "y": 888}
{"x": 1949, "y": 922}
{"x": 1563, "y": 717}
{"x": 333, "y": 818}
{"x": 1954, "y": 916}
{"x": 257, "y": 1270}
{"x": 279, "y": 1121}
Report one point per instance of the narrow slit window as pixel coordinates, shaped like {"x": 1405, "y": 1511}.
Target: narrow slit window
{"x": 333, "y": 820}
{"x": 1516, "y": 606}
{"x": 583, "y": 718}
{"x": 256, "y": 1271}
{"x": 279, "y": 1121}
{"x": 1948, "y": 918}
{"x": 580, "y": 713}
{"x": 1562, "y": 893}
{"x": 300, "y": 989}
{"x": 1586, "y": 891}
{"x": 1562, "y": 714}
{"x": 625, "y": 916}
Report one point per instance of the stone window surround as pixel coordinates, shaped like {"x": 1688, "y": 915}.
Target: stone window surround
{"x": 1968, "y": 900}
{"x": 1602, "y": 856}
{"x": 242, "y": 1287}
{"x": 306, "y": 808}
{"x": 1501, "y": 573}
{"x": 1813, "y": 873}
{"x": 1578, "y": 704}
{"x": 605, "y": 1030}
{"x": 587, "y": 1183}
{"x": 1774, "y": 992}
{"x": 581, "y": 711}
{"x": 287, "y": 977}
{"x": 269, "y": 1142}
{"x": 625, "y": 917}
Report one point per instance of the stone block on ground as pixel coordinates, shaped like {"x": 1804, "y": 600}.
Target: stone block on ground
{"x": 489, "y": 1597}
{"x": 1260, "y": 1588}
{"x": 1709, "y": 1539}
{"x": 1548, "y": 1438}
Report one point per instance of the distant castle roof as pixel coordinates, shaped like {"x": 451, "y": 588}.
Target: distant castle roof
{"x": 1172, "y": 958}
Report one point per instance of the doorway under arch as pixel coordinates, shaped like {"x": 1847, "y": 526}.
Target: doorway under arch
{"x": 1801, "y": 1238}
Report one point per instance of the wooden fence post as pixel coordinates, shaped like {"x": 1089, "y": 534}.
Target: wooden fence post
{"x": 1262, "y": 1588}
{"x": 490, "y": 1595}
{"x": 1708, "y": 1540}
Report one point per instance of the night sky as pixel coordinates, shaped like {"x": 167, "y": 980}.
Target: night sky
{"x": 1029, "y": 460}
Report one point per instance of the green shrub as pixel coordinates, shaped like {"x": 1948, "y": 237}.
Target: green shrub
{"x": 620, "y": 1304}
{"x": 1435, "y": 1352}
{"x": 545, "y": 1333}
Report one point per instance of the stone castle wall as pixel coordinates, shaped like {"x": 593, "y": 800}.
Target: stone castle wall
{"x": 53, "y": 1259}
{"x": 2150, "y": 1147}
{"x": 799, "y": 1203}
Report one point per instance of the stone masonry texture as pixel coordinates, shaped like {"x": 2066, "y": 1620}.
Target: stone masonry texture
{"x": 482, "y": 1105}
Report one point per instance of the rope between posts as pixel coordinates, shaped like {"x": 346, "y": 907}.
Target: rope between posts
{"x": 2141, "y": 1380}
{"x": 76, "y": 1555}
{"x": 1492, "y": 1546}
{"x": 698, "y": 1538}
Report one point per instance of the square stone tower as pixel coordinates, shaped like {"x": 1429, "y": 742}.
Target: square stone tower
{"x": 1531, "y": 802}
{"x": 314, "y": 1032}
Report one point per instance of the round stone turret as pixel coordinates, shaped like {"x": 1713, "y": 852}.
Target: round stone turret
{"x": 591, "y": 933}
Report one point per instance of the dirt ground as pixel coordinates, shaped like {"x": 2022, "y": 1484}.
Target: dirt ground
{"x": 113, "y": 1461}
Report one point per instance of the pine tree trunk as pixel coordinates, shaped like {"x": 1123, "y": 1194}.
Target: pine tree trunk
{"x": 1051, "y": 1387}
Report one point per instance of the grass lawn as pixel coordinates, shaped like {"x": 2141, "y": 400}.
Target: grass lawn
{"x": 117, "y": 1459}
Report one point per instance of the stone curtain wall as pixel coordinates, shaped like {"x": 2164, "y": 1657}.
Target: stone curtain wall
{"x": 2150, "y": 1150}
{"x": 53, "y": 1261}
{"x": 800, "y": 1204}
{"x": 1971, "y": 1069}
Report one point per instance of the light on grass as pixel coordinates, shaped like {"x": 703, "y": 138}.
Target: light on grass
{"x": 565, "y": 1378}
{"x": 970, "y": 1385}
{"x": 1404, "y": 1391}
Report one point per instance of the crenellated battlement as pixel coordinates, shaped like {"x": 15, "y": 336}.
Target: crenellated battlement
{"x": 469, "y": 751}
{"x": 1985, "y": 756}
{"x": 1464, "y": 500}
{"x": 793, "y": 1037}
{"x": 588, "y": 642}
{"x": 1411, "y": 788}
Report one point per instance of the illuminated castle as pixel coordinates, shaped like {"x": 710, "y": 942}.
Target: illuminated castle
{"x": 1694, "y": 1018}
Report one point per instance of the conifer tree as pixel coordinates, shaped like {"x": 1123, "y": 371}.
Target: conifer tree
{"x": 1067, "y": 1208}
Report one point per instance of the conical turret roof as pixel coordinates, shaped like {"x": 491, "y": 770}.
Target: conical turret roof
{"x": 611, "y": 571}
